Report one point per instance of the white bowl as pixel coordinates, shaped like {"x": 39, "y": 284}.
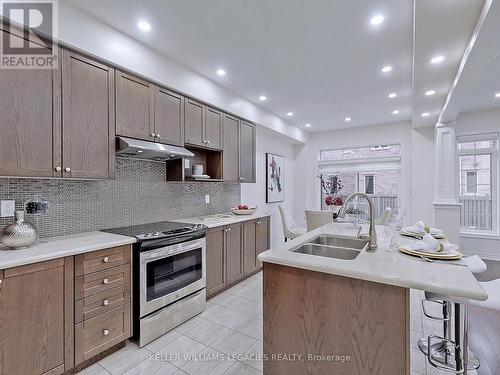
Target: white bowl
{"x": 249, "y": 211}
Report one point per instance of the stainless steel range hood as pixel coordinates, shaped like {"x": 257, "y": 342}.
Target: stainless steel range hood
{"x": 136, "y": 149}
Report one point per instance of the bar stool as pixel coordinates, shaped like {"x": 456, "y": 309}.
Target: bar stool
{"x": 443, "y": 348}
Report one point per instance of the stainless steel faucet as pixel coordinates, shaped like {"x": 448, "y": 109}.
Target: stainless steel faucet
{"x": 372, "y": 246}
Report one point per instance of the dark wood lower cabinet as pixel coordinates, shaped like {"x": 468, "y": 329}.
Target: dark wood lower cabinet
{"x": 36, "y": 318}
{"x": 215, "y": 260}
{"x": 232, "y": 252}
{"x": 47, "y": 329}
{"x": 234, "y": 256}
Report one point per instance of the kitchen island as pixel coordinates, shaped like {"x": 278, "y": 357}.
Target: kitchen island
{"x": 349, "y": 317}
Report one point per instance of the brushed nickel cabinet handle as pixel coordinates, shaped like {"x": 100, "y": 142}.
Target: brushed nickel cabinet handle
{"x": 105, "y": 302}
{"x": 259, "y": 222}
{"x": 158, "y": 136}
{"x": 229, "y": 229}
{"x": 105, "y": 281}
{"x": 58, "y": 169}
{"x": 67, "y": 169}
{"x": 105, "y": 259}
{"x": 153, "y": 135}
{"x": 105, "y": 332}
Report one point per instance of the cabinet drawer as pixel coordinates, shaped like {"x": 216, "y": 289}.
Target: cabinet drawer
{"x": 102, "y": 281}
{"x": 102, "y": 260}
{"x": 100, "y": 303}
{"x": 100, "y": 333}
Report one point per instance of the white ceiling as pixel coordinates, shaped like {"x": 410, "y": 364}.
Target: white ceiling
{"x": 480, "y": 75}
{"x": 319, "y": 59}
{"x": 444, "y": 28}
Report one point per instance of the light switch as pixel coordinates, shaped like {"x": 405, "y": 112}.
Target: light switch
{"x": 207, "y": 199}
{"x": 7, "y": 208}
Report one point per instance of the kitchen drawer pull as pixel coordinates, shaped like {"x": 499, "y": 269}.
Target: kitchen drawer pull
{"x": 105, "y": 281}
{"x": 158, "y": 136}
{"x": 67, "y": 169}
{"x": 105, "y": 259}
{"x": 105, "y": 332}
{"x": 58, "y": 169}
{"x": 105, "y": 302}
{"x": 153, "y": 135}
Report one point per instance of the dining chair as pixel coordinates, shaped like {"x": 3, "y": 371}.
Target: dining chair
{"x": 316, "y": 219}
{"x": 290, "y": 229}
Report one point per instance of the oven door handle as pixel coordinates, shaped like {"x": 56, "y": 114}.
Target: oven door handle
{"x": 171, "y": 250}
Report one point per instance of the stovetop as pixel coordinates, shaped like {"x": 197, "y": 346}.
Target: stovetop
{"x": 162, "y": 229}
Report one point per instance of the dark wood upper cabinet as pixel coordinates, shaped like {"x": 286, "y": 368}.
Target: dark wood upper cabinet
{"x": 194, "y": 118}
{"x": 249, "y": 247}
{"x": 215, "y": 260}
{"x": 30, "y": 122}
{"x": 234, "y": 261}
{"x": 247, "y": 152}
{"x": 169, "y": 116}
{"x": 230, "y": 162}
{"x": 134, "y": 109}
{"x": 213, "y": 127}
{"x": 36, "y": 318}
{"x": 87, "y": 117}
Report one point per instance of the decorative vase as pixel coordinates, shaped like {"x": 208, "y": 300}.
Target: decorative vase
{"x": 19, "y": 234}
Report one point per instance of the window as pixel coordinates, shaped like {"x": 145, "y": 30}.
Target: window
{"x": 478, "y": 185}
{"x": 374, "y": 170}
{"x": 471, "y": 182}
{"x": 369, "y": 184}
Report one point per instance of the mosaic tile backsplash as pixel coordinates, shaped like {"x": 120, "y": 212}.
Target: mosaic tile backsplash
{"x": 139, "y": 194}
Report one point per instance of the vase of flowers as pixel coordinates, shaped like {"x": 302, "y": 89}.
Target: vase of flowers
{"x": 332, "y": 188}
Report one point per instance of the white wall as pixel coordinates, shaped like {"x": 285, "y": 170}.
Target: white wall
{"x": 255, "y": 194}
{"x": 422, "y": 174}
{"x": 486, "y": 246}
{"x": 88, "y": 34}
{"x": 309, "y": 197}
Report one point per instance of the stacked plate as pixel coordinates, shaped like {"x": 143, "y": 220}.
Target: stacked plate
{"x": 421, "y": 249}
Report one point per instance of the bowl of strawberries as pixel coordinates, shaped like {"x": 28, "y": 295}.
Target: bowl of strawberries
{"x": 243, "y": 209}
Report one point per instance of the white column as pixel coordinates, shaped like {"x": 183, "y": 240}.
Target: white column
{"x": 446, "y": 204}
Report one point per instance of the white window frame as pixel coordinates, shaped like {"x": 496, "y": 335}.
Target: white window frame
{"x": 494, "y": 165}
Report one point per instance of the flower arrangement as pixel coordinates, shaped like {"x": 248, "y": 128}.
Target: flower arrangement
{"x": 332, "y": 187}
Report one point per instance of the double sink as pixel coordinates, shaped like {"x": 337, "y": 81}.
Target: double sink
{"x": 344, "y": 248}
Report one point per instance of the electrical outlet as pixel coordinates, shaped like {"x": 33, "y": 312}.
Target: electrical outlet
{"x": 207, "y": 199}
{"x": 7, "y": 208}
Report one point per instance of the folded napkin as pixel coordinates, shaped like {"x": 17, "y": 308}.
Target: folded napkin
{"x": 421, "y": 228}
{"x": 431, "y": 245}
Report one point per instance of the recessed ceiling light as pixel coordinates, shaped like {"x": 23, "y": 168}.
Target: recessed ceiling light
{"x": 396, "y": 112}
{"x": 497, "y": 95}
{"x": 262, "y": 98}
{"x": 430, "y": 93}
{"x": 144, "y": 26}
{"x": 377, "y": 20}
{"x": 289, "y": 114}
{"x": 425, "y": 114}
{"x": 437, "y": 59}
{"x": 347, "y": 119}
{"x": 392, "y": 95}
{"x": 221, "y": 72}
{"x": 308, "y": 125}
{"x": 386, "y": 69}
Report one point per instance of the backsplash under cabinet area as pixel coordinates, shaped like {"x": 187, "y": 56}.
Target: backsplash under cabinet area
{"x": 139, "y": 194}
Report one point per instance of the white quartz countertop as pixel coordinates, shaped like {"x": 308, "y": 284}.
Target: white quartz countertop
{"x": 62, "y": 246}
{"x": 214, "y": 221}
{"x": 392, "y": 268}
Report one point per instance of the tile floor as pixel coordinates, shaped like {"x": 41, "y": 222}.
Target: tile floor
{"x": 226, "y": 338}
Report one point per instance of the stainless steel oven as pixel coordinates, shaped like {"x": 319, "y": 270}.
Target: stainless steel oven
{"x": 169, "y": 273}
{"x": 168, "y": 276}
